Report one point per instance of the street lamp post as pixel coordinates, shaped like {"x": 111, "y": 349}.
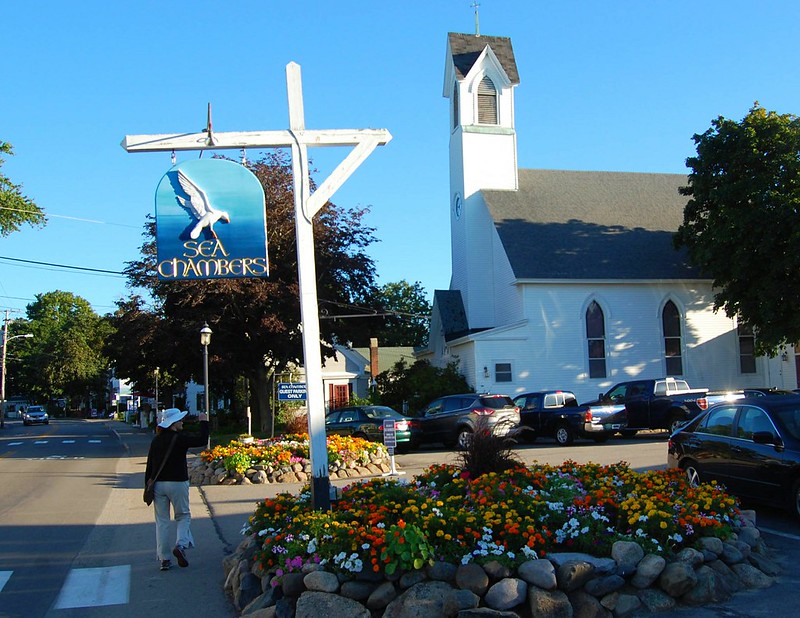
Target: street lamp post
{"x": 6, "y": 339}
{"x": 205, "y": 340}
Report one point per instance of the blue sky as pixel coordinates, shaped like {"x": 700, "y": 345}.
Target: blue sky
{"x": 614, "y": 85}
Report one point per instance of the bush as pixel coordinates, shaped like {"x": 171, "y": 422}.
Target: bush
{"x": 488, "y": 452}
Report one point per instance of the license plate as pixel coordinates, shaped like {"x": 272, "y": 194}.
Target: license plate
{"x": 615, "y": 426}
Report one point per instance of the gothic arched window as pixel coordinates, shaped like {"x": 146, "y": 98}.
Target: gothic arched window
{"x": 596, "y": 339}
{"x": 671, "y": 324}
{"x": 487, "y": 102}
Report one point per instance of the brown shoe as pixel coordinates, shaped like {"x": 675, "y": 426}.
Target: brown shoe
{"x": 181, "y": 556}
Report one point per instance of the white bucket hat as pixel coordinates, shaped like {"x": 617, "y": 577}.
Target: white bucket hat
{"x": 172, "y": 415}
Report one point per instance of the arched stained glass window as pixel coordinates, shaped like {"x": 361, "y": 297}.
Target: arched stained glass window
{"x": 596, "y": 340}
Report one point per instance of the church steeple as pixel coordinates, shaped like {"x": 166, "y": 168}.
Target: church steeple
{"x": 480, "y": 77}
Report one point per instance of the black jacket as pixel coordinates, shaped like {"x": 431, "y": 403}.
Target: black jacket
{"x": 175, "y": 469}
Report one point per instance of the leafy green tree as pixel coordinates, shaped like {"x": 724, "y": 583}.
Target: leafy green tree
{"x": 408, "y": 326}
{"x": 256, "y": 324}
{"x": 64, "y": 358}
{"x": 15, "y": 208}
{"x": 418, "y": 384}
{"x": 741, "y": 226}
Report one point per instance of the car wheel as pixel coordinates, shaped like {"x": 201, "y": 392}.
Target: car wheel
{"x": 564, "y": 435}
{"x": 692, "y": 473}
{"x": 674, "y": 423}
{"x": 464, "y": 438}
{"x": 795, "y": 497}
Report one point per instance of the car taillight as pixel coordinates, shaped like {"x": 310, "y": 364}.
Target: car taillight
{"x": 484, "y": 411}
{"x": 702, "y": 403}
{"x": 413, "y": 424}
{"x": 401, "y": 425}
{"x": 588, "y": 416}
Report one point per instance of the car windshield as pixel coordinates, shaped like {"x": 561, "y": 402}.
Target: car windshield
{"x": 789, "y": 417}
{"x": 382, "y": 412}
{"x": 497, "y": 402}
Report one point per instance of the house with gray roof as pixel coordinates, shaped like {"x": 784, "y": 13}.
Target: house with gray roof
{"x": 568, "y": 279}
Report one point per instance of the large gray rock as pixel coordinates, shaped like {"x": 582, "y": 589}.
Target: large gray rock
{"x": 709, "y": 587}
{"x": 357, "y": 590}
{"x": 507, "y": 593}
{"x": 677, "y": 579}
{"x": 710, "y": 543}
{"x": 751, "y": 577}
{"x": 656, "y": 600}
{"x": 586, "y": 606}
{"x": 691, "y": 556}
{"x": 627, "y": 555}
{"x": 573, "y": 574}
{"x": 266, "y": 599}
{"x": 485, "y": 612}
{"x": 424, "y": 601}
{"x": 749, "y": 535}
{"x": 546, "y": 604}
{"x": 293, "y": 584}
{"x": 472, "y": 577}
{"x": 764, "y": 564}
{"x": 313, "y": 604}
{"x": 602, "y": 566}
{"x": 540, "y": 573}
{"x": 601, "y": 586}
{"x": 496, "y": 570}
{"x": 411, "y": 578}
{"x": 384, "y": 594}
{"x": 626, "y": 605}
{"x": 731, "y": 554}
{"x": 248, "y": 589}
{"x": 731, "y": 579}
{"x": 649, "y": 569}
{"x": 321, "y": 581}
{"x": 442, "y": 571}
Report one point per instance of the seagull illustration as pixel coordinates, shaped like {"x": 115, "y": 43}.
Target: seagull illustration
{"x": 200, "y": 207}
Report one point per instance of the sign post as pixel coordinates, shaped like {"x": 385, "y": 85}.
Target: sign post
{"x": 390, "y": 441}
{"x": 306, "y": 205}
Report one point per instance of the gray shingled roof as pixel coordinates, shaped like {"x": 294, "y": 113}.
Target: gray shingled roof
{"x": 592, "y": 225}
{"x": 467, "y": 47}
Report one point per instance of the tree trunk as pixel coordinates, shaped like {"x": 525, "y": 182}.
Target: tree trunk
{"x": 261, "y": 408}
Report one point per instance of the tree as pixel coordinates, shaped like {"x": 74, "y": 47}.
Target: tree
{"x": 15, "y": 208}
{"x": 408, "y": 326}
{"x": 255, "y": 322}
{"x": 418, "y": 384}
{"x": 741, "y": 226}
{"x": 65, "y": 355}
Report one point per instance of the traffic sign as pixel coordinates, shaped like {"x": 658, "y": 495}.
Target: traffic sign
{"x": 292, "y": 391}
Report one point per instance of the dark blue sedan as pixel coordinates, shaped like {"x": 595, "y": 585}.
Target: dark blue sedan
{"x": 750, "y": 445}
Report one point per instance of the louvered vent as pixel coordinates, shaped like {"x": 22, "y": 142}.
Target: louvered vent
{"x": 487, "y": 102}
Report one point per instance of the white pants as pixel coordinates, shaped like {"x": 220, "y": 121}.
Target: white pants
{"x": 175, "y": 493}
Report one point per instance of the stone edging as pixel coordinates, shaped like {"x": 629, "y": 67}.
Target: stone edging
{"x": 564, "y": 584}
{"x": 202, "y": 473}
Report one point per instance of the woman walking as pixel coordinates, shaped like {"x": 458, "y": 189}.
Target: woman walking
{"x": 169, "y": 449}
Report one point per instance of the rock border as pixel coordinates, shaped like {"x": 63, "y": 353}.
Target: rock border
{"x": 202, "y": 473}
{"x": 561, "y": 585}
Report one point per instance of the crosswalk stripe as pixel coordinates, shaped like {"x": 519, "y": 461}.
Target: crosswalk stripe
{"x": 95, "y": 441}
{"x": 4, "y": 577}
{"x": 14, "y": 443}
{"x": 95, "y": 587}
{"x": 40, "y": 442}
{"x": 68, "y": 442}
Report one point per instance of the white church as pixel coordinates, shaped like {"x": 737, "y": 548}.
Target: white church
{"x": 568, "y": 279}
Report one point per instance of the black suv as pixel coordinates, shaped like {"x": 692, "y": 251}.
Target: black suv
{"x": 453, "y": 419}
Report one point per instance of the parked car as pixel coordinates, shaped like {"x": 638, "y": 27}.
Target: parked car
{"x": 451, "y": 420}
{"x": 557, "y": 414}
{"x": 665, "y": 403}
{"x": 367, "y": 422}
{"x": 713, "y": 397}
{"x": 750, "y": 445}
{"x": 35, "y": 414}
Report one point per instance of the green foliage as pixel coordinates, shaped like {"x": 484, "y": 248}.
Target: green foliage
{"x": 742, "y": 223}
{"x": 237, "y": 462}
{"x": 409, "y": 324}
{"x": 406, "y": 548}
{"x": 15, "y": 208}
{"x": 65, "y": 355}
{"x": 418, "y": 384}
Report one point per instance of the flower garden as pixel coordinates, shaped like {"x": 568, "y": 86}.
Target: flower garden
{"x": 386, "y": 526}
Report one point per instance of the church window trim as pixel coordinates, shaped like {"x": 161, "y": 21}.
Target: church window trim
{"x": 488, "y": 102}
{"x": 595, "y": 322}
{"x": 672, "y": 332}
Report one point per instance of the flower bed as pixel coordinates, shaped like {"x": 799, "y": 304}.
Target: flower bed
{"x": 609, "y": 521}
{"x": 286, "y": 459}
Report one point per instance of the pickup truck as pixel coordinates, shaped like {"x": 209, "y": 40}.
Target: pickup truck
{"x": 664, "y": 403}
{"x": 557, "y": 414}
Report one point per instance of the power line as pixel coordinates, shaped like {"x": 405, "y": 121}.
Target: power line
{"x": 80, "y": 268}
{"x": 48, "y": 215}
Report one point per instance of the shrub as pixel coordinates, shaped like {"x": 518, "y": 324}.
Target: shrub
{"x": 487, "y": 452}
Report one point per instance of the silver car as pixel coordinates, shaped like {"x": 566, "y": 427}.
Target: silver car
{"x": 453, "y": 419}
{"x": 35, "y": 414}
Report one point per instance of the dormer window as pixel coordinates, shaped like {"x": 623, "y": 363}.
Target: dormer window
{"x": 487, "y": 102}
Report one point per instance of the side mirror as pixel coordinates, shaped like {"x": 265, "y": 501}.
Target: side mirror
{"x": 766, "y": 437}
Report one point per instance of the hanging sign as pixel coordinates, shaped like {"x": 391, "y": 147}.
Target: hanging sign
{"x": 210, "y": 222}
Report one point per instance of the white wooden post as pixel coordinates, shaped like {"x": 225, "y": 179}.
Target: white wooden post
{"x": 364, "y": 141}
